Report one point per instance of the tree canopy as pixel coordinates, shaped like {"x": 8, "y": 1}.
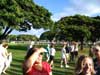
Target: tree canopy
{"x": 77, "y": 28}
{"x": 22, "y": 15}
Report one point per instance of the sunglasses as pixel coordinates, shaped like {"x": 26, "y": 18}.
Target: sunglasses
{"x": 41, "y": 53}
{"x": 96, "y": 50}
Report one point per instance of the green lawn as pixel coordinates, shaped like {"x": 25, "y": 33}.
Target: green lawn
{"x": 19, "y": 52}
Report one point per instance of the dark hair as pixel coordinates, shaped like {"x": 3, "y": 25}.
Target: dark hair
{"x": 30, "y": 52}
{"x": 5, "y": 45}
{"x": 79, "y": 65}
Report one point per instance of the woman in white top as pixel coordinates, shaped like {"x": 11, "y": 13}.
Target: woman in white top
{"x": 63, "y": 55}
{"x": 3, "y": 57}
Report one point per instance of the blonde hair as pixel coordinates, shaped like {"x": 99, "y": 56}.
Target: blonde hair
{"x": 80, "y": 65}
{"x": 4, "y": 45}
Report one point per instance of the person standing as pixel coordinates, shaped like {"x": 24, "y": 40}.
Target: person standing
{"x": 2, "y": 58}
{"x": 96, "y": 51}
{"x": 5, "y": 61}
{"x": 52, "y": 54}
{"x": 76, "y": 49}
{"x": 72, "y": 52}
{"x": 33, "y": 64}
{"x": 63, "y": 55}
{"x": 48, "y": 52}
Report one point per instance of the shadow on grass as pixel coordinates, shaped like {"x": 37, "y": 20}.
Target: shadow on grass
{"x": 18, "y": 60}
{"x": 12, "y": 70}
{"x": 57, "y": 60}
{"x": 64, "y": 72}
{"x": 16, "y": 65}
{"x": 18, "y": 47}
{"x": 15, "y": 69}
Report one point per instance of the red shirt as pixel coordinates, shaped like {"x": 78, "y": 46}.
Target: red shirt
{"x": 45, "y": 70}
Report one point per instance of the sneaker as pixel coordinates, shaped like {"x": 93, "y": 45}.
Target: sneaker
{"x": 67, "y": 66}
{"x": 61, "y": 66}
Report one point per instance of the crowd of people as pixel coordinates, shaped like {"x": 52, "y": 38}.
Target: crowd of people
{"x": 34, "y": 64}
{"x": 85, "y": 65}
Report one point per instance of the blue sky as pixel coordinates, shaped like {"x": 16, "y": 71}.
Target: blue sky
{"x": 61, "y": 8}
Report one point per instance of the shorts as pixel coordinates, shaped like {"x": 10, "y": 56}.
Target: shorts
{"x": 51, "y": 58}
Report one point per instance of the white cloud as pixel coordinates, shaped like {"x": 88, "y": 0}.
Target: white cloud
{"x": 84, "y": 7}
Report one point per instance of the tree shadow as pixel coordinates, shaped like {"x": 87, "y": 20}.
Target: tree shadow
{"x": 18, "y": 60}
{"x": 64, "y": 72}
{"x": 17, "y": 47}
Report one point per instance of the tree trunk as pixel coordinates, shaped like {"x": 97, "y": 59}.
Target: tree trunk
{"x": 82, "y": 44}
{"x": 7, "y": 31}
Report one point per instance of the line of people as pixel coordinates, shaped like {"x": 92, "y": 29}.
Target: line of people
{"x": 68, "y": 52}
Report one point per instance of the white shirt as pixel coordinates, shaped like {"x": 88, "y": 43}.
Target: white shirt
{"x": 76, "y": 47}
{"x": 2, "y": 50}
{"x": 72, "y": 48}
{"x": 52, "y": 51}
{"x": 63, "y": 53}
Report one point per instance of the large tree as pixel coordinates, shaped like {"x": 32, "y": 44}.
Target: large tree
{"x": 51, "y": 34}
{"x": 76, "y": 26}
{"x": 22, "y": 15}
{"x": 48, "y": 35}
{"x": 95, "y": 29}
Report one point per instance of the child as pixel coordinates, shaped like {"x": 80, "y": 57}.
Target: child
{"x": 85, "y": 66}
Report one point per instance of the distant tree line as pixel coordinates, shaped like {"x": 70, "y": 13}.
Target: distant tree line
{"x": 22, "y": 37}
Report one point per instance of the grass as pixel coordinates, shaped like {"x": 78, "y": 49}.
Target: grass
{"x": 19, "y": 52}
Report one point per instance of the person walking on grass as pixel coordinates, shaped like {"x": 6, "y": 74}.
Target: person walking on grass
{"x": 52, "y": 54}
{"x": 63, "y": 55}
{"x": 5, "y": 57}
{"x": 48, "y": 52}
{"x": 72, "y": 52}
